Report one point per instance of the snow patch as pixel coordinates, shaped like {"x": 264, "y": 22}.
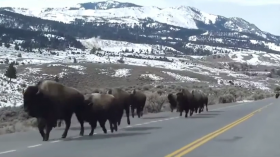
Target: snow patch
{"x": 181, "y": 78}
{"x": 121, "y": 73}
{"x": 151, "y": 76}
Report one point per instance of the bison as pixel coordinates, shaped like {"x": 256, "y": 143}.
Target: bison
{"x": 185, "y": 101}
{"x": 197, "y": 101}
{"x": 205, "y": 102}
{"x": 172, "y": 101}
{"x": 277, "y": 95}
{"x": 138, "y": 100}
{"x": 101, "y": 107}
{"x": 122, "y": 102}
{"x": 52, "y": 101}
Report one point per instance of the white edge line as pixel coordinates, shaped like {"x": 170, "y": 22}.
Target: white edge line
{"x": 37, "y": 145}
{"x": 9, "y": 151}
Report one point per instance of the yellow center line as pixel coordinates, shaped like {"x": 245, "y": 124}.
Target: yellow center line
{"x": 211, "y": 137}
{"x": 188, "y": 148}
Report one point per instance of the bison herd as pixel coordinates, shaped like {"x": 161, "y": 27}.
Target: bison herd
{"x": 51, "y": 102}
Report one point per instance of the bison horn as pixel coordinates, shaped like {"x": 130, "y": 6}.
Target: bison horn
{"x": 38, "y": 92}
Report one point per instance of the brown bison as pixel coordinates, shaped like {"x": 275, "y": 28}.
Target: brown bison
{"x": 138, "y": 100}
{"x": 185, "y": 101}
{"x": 199, "y": 101}
{"x": 52, "y": 101}
{"x": 122, "y": 102}
{"x": 101, "y": 107}
{"x": 173, "y": 102}
{"x": 205, "y": 102}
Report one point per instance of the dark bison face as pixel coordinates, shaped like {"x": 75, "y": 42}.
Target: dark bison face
{"x": 31, "y": 101}
{"x": 169, "y": 97}
{"x": 277, "y": 95}
{"x": 180, "y": 96}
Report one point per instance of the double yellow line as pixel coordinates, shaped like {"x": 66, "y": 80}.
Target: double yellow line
{"x": 190, "y": 147}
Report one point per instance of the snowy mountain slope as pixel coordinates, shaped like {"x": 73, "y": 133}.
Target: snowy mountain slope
{"x": 131, "y": 14}
{"x": 185, "y": 29}
{"x": 121, "y": 46}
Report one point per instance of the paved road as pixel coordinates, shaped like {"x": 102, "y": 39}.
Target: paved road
{"x": 161, "y": 134}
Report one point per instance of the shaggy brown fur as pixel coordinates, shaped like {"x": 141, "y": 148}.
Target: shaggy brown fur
{"x": 101, "y": 107}
{"x": 138, "y": 100}
{"x": 52, "y": 101}
{"x": 122, "y": 101}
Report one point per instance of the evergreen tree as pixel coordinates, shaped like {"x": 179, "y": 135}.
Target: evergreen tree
{"x": 16, "y": 47}
{"x": 93, "y": 50}
{"x": 11, "y": 72}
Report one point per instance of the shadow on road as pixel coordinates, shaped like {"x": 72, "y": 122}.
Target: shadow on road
{"x": 141, "y": 128}
{"x": 201, "y": 116}
{"x": 106, "y": 136}
{"x": 159, "y": 117}
{"x": 216, "y": 111}
{"x": 76, "y": 127}
{"x": 209, "y": 114}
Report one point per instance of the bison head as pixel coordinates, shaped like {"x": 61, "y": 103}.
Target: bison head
{"x": 277, "y": 95}
{"x": 32, "y": 101}
{"x": 172, "y": 101}
{"x": 180, "y": 96}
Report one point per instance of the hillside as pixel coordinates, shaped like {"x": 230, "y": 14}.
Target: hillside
{"x": 183, "y": 28}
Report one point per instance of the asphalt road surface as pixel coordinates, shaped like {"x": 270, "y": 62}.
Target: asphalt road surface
{"x": 242, "y": 129}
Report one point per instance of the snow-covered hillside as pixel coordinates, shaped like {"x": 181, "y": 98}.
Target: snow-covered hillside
{"x": 113, "y": 52}
{"x": 120, "y": 46}
{"x": 132, "y": 14}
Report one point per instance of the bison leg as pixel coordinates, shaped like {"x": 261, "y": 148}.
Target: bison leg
{"x": 81, "y": 121}
{"x": 127, "y": 115}
{"x": 206, "y": 107}
{"x": 199, "y": 109}
{"x": 102, "y": 124}
{"x": 112, "y": 125}
{"x": 41, "y": 126}
{"x": 120, "y": 114}
{"x": 93, "y": 126}
{"x": 186, "y": 113}
{"x": 67, "y": 126}
{"x": 196, "y": 109}
{"x": 191, "y": 111}
{"x": 48, "y": 130}
{"x": 138, "y": 112}
{"x": 181, "y": 112}
{"x": 115, "y": 126}
{"x": 132, "y": 111}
